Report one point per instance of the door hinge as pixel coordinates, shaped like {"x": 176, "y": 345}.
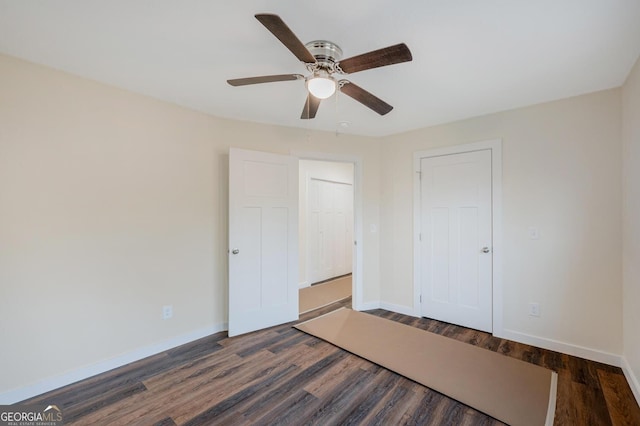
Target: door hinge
{"x": 419, "y": 174}
{"x": 420, "y": 236}
{"x": 420, "y": 298}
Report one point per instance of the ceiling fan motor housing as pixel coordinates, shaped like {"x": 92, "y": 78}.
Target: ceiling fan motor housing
{"x": 326, "y": 53}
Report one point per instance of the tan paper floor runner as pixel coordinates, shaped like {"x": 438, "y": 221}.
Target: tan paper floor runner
{"x": 320, "y": 295}
{"x": 510, "y": 390}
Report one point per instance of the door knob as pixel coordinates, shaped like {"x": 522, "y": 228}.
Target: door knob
{"x": 235, "y": 251}
{"x": 486, "y": 250}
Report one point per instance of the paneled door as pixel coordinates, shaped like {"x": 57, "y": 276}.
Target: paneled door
{"x": 263, "y": 240}
{"x": 330, "y": 229}
{"x": 456, "y": 238}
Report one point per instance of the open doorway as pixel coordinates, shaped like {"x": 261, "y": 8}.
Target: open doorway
{"x": 326, "y": 232}
{"x": 263, "y": 192}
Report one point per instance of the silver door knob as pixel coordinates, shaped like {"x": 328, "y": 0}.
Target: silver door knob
{"x": 235, "y": 251}
{"x": 486, "y": 250}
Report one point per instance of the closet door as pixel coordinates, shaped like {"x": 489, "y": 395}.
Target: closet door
{"x": 330, "y": 232}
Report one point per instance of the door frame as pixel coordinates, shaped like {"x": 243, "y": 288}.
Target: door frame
{"x": 357, "y": 266}
{"x": 495, "y": 146}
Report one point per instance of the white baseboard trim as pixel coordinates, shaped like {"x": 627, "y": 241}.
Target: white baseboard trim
{"x": 631, "y": 378}
{"x": 566, "y": 348}
{"x": 401, "y": 309}
{"x": 54, "y": 382}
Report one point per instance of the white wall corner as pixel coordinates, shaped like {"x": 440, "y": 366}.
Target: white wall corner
{"x": 304, "y": 284}
{"x": 19, "y": 394}
{"x": 563, "y": 347}
{"x": 631, "y": 378}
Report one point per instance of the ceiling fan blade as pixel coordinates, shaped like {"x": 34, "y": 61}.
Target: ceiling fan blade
{"x": 264, "y": 79}
{"x": 279, "y": 29}
{"x": 310, "y": 107}
{"x": 364, "y": 97}
{"x": 376, "y": 58}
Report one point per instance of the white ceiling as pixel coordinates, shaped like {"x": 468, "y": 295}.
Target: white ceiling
{"x": 470, "y": 57}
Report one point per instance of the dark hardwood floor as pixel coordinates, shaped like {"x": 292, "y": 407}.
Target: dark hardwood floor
{"x": 283, "y": 376}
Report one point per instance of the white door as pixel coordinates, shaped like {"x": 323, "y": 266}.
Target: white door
{"x": 320, "y": 257}
{"x": 263, "y": 240}
{"x": 456, "y": 247}
{"x": 330, "y": 230}
{"x": 342, "y": 228}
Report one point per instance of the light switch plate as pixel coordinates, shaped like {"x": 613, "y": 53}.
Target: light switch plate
{"x": 534, "y": 233}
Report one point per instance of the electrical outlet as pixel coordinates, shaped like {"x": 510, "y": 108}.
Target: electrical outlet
{"x": 534, "y": 309}
{"x": 167, "y": 312}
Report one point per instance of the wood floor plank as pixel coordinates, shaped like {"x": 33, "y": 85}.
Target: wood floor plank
{"x": 619, "y": 399}
{"x": 584, "y": 372}
{"x": 283, "y": 376}
{"x": 473, "y": 418}
{"x": 474, "y": 337}
{"x": 95, "y": 386}
{"x": 289, "y": 411}
{"x": 240, "y": 395}
{"x": 262, "y": 343}
{"x": 448, "y": 412}
{"x": 578, "y": 403}
{"x": 238, "y": 343}
{"x": 90, "y": 405}
{"x": 437, "y": 327}
{"x": 205, "y": 346}
{"x": 255, "y": 377}
{"x": 491, "y": 343}
{"x": 344, "y": 397}
{"x": 512, "y": 349}
{"x": 429, "y": 409}
{"x": 324, "y": 382}
{"x": 165, "y": 422}
{"x": 288, "y": 342}
{"x": 392, "y": 407}
{"x": 532, "y": 355}
{"x": 171, "y": 398}
{"x": 265, "y": 402}
{"x": 309, "y": 354}
{"x": 206, "y": 366}
{"x": 553, "y": 360}
{"x": 238, "y": 401}
{"x": 382, "y": 384}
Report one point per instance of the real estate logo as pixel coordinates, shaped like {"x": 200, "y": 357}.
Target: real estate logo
{"x": 30, "y": 415}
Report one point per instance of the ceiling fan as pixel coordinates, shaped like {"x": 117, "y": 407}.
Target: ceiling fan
{"x": 323, "y": 59}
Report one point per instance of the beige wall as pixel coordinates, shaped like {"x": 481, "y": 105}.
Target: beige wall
{"x": 631, "y": 212}
{"x": 561, "y": 174}
{"x": 114, "y": 204}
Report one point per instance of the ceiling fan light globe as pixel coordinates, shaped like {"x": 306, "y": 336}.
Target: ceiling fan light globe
{"x": 321, "y": 87}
